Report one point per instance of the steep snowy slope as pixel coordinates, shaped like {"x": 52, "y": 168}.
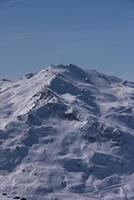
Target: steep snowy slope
{"x": 66, "y": 133}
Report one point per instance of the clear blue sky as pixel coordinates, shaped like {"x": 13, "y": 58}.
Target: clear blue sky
{"x": 97, "y": 34}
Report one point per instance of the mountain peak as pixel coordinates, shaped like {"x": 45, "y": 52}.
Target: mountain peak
{"x": 66, "y": 133}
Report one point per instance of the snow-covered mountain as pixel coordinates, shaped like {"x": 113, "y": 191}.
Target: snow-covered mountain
{"x": 67, "y": 134}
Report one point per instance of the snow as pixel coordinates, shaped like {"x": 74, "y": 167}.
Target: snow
{"x": 66, "y": 133}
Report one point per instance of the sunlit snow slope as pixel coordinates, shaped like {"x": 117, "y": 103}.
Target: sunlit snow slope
{"x": 67, "y": 134}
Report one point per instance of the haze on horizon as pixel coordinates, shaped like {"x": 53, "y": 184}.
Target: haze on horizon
{"x": 90, "y": 33}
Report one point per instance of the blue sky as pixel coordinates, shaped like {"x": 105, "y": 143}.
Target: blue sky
{"x": 95, "y": 34}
